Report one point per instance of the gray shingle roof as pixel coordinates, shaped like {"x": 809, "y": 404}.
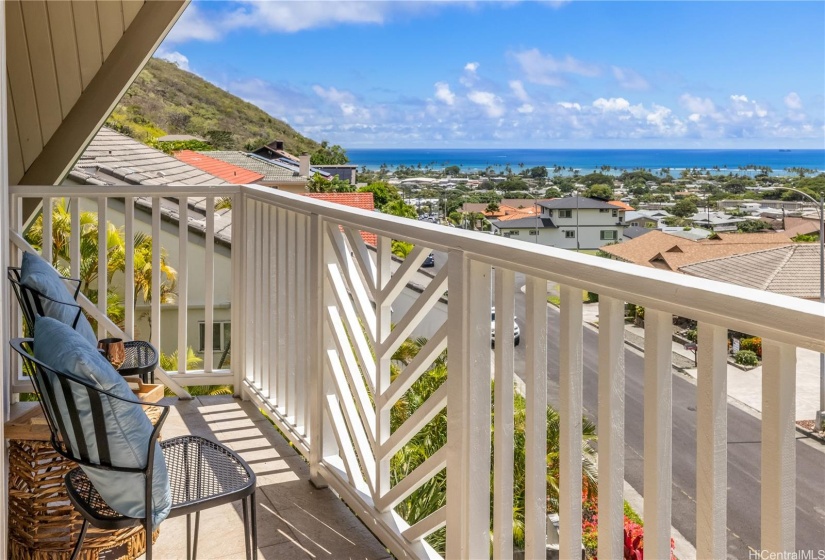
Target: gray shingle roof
{"x": 792, "y": 270}
{"x": 573, "y": 202}
{"x": 633, "y": 232}
{"x": 270, "y": 170}
{"x": 114, "y": 159}
{"x": 524, "y": 223}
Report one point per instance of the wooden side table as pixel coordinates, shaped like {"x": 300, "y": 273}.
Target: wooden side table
{"x": 43, "y": 524}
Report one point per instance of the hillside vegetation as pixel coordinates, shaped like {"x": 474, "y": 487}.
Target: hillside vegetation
{"x": 167, "y": 100}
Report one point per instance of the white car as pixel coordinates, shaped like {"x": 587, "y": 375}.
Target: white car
{"x": 516, "y": 330}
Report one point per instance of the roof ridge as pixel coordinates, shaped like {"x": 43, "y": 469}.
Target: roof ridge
{"x": 779, "y": 268}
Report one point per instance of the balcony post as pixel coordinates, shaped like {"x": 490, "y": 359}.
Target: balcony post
{"x": 468, "y": 408}
{"x": 778, "y": 447}
{"x": 711, "y": 442}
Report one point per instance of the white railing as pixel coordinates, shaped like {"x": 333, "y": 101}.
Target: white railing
{"x": 316, "y": 320}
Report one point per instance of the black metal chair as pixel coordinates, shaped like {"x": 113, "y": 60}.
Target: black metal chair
{"x": 202, "y": 473}
{"x": 141, "y": 357}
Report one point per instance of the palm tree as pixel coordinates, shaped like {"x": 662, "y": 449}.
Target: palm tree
{"x": 115, "y": 257}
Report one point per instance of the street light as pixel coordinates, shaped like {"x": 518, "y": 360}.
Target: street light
{"x": 820, "y": 413}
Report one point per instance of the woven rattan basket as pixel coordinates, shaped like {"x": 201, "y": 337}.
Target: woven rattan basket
{"x": 43, "y": 524}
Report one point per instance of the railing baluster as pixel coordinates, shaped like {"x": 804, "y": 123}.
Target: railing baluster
{"x": 48, "y": 239}
{"x": 209, "y": 287}
{"x": 261, "y": 317}
{"x": 504, "y": 430}
{"x": 183, "y": 280}
{"x": 658, "y": 428}
{"x": 248, "y": 320}
{"x": 468, "y": 409}
{"x": 238, "y": 303}
{"x": 270, "y": 379}
{"x": 383, "y": 325}
{"x": 74, "y": 239}
{"x": 291, "y": 294}
{"x": 102, "y": 262}
{"x": 778, "y": 448}
{"x": 711, "y": 442}
{"x": 156, "y": 277}
{"x": 264, "y": 303}
{"x": 283, "y": 348}
{"x": 129, "y": 269}
{"x": 570, "y": 416}
{"x": 301, "y": 317}
{"x": 611, "y": 427}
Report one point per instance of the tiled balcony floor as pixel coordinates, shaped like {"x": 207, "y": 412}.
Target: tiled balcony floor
{"x": 295, "y": 520}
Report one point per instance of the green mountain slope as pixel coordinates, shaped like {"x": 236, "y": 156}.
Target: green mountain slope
{"x": 167, "y": 100}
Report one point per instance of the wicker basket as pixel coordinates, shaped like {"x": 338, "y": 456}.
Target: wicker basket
{"x": 43, "y": 524}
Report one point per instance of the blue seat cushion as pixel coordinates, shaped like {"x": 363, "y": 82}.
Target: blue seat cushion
{"x": 128, "y": 429}
{"x": 37, "y": 274}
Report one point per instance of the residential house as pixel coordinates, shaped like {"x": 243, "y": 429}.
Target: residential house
{"x": 663, "y": 250}
{"x": 645, "y": 218}
{"x": 313, "y": 336}
{"x": 716, "y": 221}
{"x": 278, "y": 174}
{"x": 275, "y": 151}
{"x": 569, "y": 223}
{"x": 219, "y": 168}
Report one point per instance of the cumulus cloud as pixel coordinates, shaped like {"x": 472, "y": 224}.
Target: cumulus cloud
{"x": 739, "y": 98}
{"x": 569, "y": 105}
{"x": 443, "y": 93}
{"x": 629, "y": 79}
{"x": 793, "y": 101}
{"x": 174, "y": 57}
{"x": 490, "y": 102}
{"x": 548, "y": 70}
{"x": 518, "y": 90}
{"x": 612, "y": 104}
{"x": 471, "y": 66}
{"x": 697, "y": 105}
{"x": 344, "y": 100}
{"x": 526, "y": 108}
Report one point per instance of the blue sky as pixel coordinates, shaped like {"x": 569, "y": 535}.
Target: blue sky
{"x": 520, "y": 74}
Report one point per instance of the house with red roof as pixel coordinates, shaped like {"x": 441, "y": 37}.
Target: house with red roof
{"x": 226, "y": 171}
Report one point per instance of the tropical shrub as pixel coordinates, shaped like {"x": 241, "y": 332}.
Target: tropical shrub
{"x": 753, "y": 344}
{"x": 746, "y": 358}
{"x": 691, "y": 335}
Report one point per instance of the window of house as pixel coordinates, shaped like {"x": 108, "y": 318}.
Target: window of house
{"x": 565, "y": 213}
{"x": 550, "y": 213}
{"x": 570, "y": 234}
{"x": 221, "y": 335}
{"x": 603, "y": 210}
{"x": 513, "y": 232}
{"x": 607, "y": 235}
{"x": 533, "y": 232}
{"x": 615, "y": 213}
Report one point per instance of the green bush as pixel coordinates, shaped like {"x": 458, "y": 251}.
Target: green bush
{"x": 753, "y": 344}
{"x": 691, "y": 335}
{"x": 746, "y": 358}
{"x": 592, "y": 297}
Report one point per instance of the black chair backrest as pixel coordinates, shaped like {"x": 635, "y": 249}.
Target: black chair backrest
{"x": 31, "y": 301}
{"x": 62, "y": 397}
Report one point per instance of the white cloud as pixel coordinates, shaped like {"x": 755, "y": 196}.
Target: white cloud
{"x": 518, "y": 90}
{"x": 739, "y": 98}
{"x": 174, "y": 57}
{"x": 629, "y": 79}
{"x": 612, "y": 104}
{"x": 194, "y": 25}
{"x": 490, "y": 102}
{"x": 548, "y": 70}
{"x": 443, "y": 93}
{"x": 344, "y": 100}
{"x": 697, "y": 104}
{"x": 793, "y": 101}
{"x": 568, "y": 105}
{"x": 471, "y": 66}
{"x": 526, "y": 108}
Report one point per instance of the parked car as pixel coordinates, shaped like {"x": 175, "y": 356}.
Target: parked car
{"x": 516, "y": 330}
{"x": 429, "y": 261}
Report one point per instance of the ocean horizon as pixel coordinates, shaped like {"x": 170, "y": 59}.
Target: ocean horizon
{"x": 585, "y": 161}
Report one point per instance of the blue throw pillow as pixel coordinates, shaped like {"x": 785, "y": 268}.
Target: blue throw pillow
{"x": 37, "y": 274}
{"x": 128, "y": 429}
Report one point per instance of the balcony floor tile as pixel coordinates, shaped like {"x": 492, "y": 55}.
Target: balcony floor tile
{"x": 295, "y": 519}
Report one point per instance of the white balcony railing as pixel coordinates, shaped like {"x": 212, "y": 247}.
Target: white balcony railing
{"x": 314, "y": 329}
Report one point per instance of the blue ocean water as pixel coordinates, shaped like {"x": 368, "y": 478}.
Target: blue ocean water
{"x": 588, "y": 160}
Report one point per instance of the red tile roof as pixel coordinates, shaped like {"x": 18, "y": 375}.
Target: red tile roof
{"x": 226, "y": 171}
{"x": 363, "y": 200}
{"x": 620, "y": 204}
